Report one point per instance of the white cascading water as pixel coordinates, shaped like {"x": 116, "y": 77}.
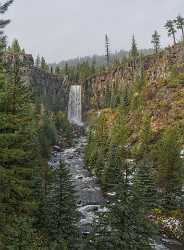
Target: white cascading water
{"x": 75, "y": 105}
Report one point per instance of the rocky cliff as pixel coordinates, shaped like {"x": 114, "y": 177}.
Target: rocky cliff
{"x": 156, "y": 70}
{"x": 159, "y": 94}
{"x": 51, "y": 90}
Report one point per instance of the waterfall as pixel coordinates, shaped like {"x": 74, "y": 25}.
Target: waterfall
{"x": 75, "y": 105}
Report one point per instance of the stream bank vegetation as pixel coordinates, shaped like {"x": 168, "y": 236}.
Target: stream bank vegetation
{"x": 141, "y": 158}
{"x": 27, "y": 134}
{"x": 34, "y": 200}
{"x": 136, "y": 156}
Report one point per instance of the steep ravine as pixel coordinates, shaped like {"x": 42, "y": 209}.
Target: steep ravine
{"x": 89, "y": 196}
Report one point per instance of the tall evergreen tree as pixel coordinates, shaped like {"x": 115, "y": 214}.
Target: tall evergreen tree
{"x": 17, "y": 154}
{"x": 170, "y": 26}
{"x": 38, "y": 61}
{"x": 93, "y": 66}
{"x": 15, "y": 47}
{"x": 3, "y": 8}
{"x": 57, "y": 70}
{"x": 134, "y": 51}
{"x": 62, "y": 215}
{"x": 125, "y": 225}
{"x": 179, "y": 21}
{"x": 66, "y": 68}
{"x": 156, "y": 41}
{"x": 107, "y": 49}
{"x": 125, "y": 101}
{"x": 44, "y": 65}
{"x": 145, "y": 185}
{"x": 169, "y": 167}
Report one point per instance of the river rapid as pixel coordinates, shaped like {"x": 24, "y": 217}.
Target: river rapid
{"x": 89, "y": 196}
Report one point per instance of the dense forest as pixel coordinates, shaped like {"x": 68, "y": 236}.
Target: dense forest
{"x": 135, "y": 149}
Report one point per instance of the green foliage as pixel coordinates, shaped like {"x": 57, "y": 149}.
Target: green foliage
{"x": 169, "y": 167}
{"x": 179, "y": 21}
{"x": 57, "y": 70}
{"x": 3, "y": 8}
{"x": 125, "y": 99}
{"x": 136, "y": 94}
{"x": 175, "y": 77}
{"x": 117, "y": 152}
{"x": 15, "y": 47}
{"x": 44, "y": 66}
{"x": 64, "y": 128}
{"x": 61, "y": 211}
{"x": 104, "y": 154}
{"x": 18, "y": 151}
{"x": 146, "y": 135}
{"x": 61, "y": 122}
{"x": 97, "y": 146}
{"x": 110, "y": 175}
{"x": 22, "y": 236}
{"x": 115, "y": 98}
{"x": 134, "y": 51}
{"x": 156, "y": 41}
{"x": 145, "y": 185}
{"x": 38, "y": 61}
{"x": 47, "y": 135}
{"x": 108, "y": 97}
{"x": 171, "y": 29}
{"x": 125, "y": 225}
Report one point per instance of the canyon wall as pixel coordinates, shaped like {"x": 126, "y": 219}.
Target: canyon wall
{"x": 51, "y": 90}
{"x": 156, "y": 68}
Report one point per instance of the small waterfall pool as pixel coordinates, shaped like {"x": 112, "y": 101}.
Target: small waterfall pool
{"x": 90, "y": 199}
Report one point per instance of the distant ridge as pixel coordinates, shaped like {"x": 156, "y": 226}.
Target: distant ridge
{"x": 100, "y": 60}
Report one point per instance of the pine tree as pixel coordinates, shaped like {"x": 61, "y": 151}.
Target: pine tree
{"x": 44, "y": 65}
{"x": 93, "y": 66}
{"x": 125, "y": 225}
{"x": 57, "y": 70}
{"x": 134, "y": 51}
{"x": 17, "y": 151}
{"x": 23, "y": 236}
{"x": 145, "y": 186}
{"x": 169, "y": 167}
{"x": 156, "y": 41}
{"x": 108, "y": 97}
{"x": 116, "y": 153}
{"x": 66, "y": 68}
{"x": 38, "y": 62}
{"x": 171, "y": 29}
{"x": 125, "y": 101}
{"x": 180, "y": 24}
{"x": 3, "y": 8}
{"x": 15, "y": 47}
{"x": 112, "y": 168}
{"x": 107, "y": 49}
{"x": 146, "y": 135}
{"x": 62, "y": 215}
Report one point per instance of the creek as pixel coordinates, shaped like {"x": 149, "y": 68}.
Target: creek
{"x": 89, "y": 196}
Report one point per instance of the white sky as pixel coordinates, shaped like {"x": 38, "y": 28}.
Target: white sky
{"x": 63, "y": 29}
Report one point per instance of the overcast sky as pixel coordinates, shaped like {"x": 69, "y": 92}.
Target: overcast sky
{"x": 63, "y": 29}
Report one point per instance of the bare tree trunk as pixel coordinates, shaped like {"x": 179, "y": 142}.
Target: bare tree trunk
{"x": 174, "y": 38}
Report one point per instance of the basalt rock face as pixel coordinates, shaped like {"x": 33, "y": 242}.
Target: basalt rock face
{"x": 156, "y": 69}
{"x": 51, "y": 90}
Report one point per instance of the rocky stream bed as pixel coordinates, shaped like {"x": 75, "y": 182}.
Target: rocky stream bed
{"x": 89, "y": 196}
